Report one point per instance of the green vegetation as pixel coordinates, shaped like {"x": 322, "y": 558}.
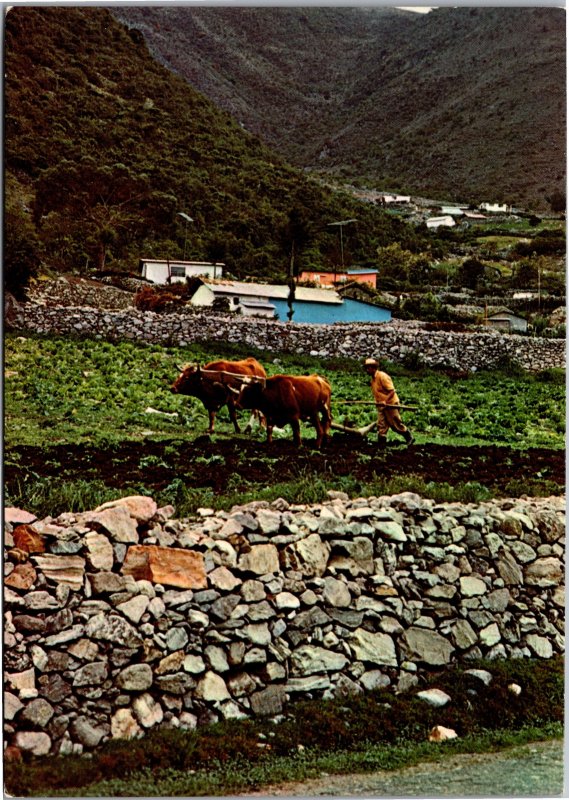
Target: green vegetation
{"x": 130, "y": 145}
{"x": 90, "y": 391}
{"x": 76, "y": 398}
{"x": 378, "y": 730}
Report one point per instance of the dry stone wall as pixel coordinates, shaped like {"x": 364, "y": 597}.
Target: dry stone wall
{"x": 394, "y": 341}
{"x": 125, "y": 618}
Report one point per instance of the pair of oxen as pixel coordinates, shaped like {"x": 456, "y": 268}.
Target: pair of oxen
{"x": 281, "y": 400}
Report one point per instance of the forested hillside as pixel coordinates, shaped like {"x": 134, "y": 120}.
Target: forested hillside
{"x": 464, "y": 103}
{"x": 104, "y": 147}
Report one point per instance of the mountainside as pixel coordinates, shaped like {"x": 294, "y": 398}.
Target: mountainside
{"x": 467, "y": 103}
{"x": 104, "y": 147}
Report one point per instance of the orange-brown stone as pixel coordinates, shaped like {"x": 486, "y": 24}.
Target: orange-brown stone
{"x": 22, "y": 577}
{"x": 170, "y": 566}
{"x": 26, "y": 538}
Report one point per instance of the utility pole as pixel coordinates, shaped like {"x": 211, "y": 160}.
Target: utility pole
{"x": 341, "y": 224}
{"x": 187, "y": 219}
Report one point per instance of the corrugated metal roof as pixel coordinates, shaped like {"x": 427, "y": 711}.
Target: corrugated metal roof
{"x": 276, "y": 291}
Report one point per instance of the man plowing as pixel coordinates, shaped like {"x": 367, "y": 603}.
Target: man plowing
{"x": 385, "y": 396}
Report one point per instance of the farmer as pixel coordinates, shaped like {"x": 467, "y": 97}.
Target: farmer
{"x": 384, "y": 392}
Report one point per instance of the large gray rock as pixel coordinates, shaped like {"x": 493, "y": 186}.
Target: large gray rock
{"x": 426, "y": 646}
{"x": 308, "y": 659}
{"x": 373, "y": 648}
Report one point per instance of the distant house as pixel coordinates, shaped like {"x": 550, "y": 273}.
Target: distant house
{"x": 495, "y": 208}
{"x": 386, "y": 199}
{"x": 453, "y": 211}
{"x": 441, "y": 222}
{"x": 171, "y": 271}
{"x": 315, "y": 306}
{"x": 360, "y": 275}
{"x": 505, "y": 320}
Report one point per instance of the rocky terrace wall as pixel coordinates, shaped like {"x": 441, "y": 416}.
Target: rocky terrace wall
{"x": 124, "y": 618}
{"x": 393, "y": 341}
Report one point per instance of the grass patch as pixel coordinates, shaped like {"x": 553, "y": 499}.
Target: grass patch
{"x": 89, "y": 391}
{"x": 50, "y": 497}
{"x": 378, "y": 730}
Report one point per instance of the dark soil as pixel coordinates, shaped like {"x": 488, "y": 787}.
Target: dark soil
{"x": 213, "y": 462}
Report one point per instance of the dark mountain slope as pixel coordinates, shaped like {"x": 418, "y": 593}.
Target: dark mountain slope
{"x": 106, "y": 146}
{"x": 466, "y": 102}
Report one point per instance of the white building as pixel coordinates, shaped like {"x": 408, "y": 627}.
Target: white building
{"x": 437, "y": 222}
{"x": 171, "y": 271}
{"x": 496, "y": 208}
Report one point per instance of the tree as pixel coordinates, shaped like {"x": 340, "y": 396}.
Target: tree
{"x": 471, "y": 273}
{"x": 95, "y": 210}
{"x": 21, "y": 251}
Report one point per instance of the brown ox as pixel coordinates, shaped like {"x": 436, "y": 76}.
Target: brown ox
{"x": 288, "y": 399}
{"x": 213, "y": 384}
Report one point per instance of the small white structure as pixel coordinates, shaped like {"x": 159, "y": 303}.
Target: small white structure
{"x": 496, "y": 208}
{"x": 441, "y": 222}
{"x": 506, "y": 320}
{"x": 171, "y": 271}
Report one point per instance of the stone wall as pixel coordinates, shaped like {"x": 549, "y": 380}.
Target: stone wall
{"x": 124, "y": 618}
{"x": 394, "y": 341}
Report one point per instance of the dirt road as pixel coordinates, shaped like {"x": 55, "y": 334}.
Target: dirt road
{"x": 533, "y": 770}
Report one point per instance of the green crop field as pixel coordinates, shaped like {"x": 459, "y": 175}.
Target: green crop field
{"x": 60, "y": 390}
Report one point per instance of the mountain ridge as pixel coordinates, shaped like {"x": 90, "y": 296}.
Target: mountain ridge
{"x": 466, "y": 102}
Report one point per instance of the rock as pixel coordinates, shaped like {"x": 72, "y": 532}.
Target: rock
{"x": 12, "y": 705}
{"x": 140, "y": 507}
{"x": 309, "y": 556}
{"x": 336, "y": 593}
{"x": 223, "y": 579}
{"x": 539, "y": 645}
{"x": 212, "y": 688}
{"x": 544, "y": 572}
{"x": 38, "y": 744}
{"x": 434, "y": 697}
{"x": 471, "y": 586}
{"x": 91, "y": 674}
{"x": 374, "y": 648}
{"x": 509, "y": 569}
{"x": 391, "y": 531}
{"x": 100, "y": 555}
{"x": 66, "y": 570}
{"x": 480, "y": 675}
{"x": 463, "y": 635}
{"x": 490, "y": 635}
{"x": 22, "y": 577}
{"x": 83, "y": 731}
{"x": 147, "y": 711}
{"x": 269, "y": 521}
{"x": 26, "y": 538}
{"x": 116, "y": 521}
{"x": 441, "y": 734}
{"x": 426, "y": 646}
{"x": 124, "y": 725}
{"x": 269, "y": 701}
{"x": 17, "y": 516}
{"x": 135, "y": 678}
{"x": 515, "y": 689}
{"x": 168, "y": 566}
{"x": 134, "y": 609}
{"x": 113, "y": 629}
{"x": 260, "y": 560}
{"x": 309, "y": 659}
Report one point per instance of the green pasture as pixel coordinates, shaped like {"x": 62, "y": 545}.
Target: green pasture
{"x": 60, "y": 390}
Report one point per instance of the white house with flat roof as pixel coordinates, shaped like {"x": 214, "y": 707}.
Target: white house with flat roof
{"x": 171, "y": 271}
{"x": 440, "y": 222}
